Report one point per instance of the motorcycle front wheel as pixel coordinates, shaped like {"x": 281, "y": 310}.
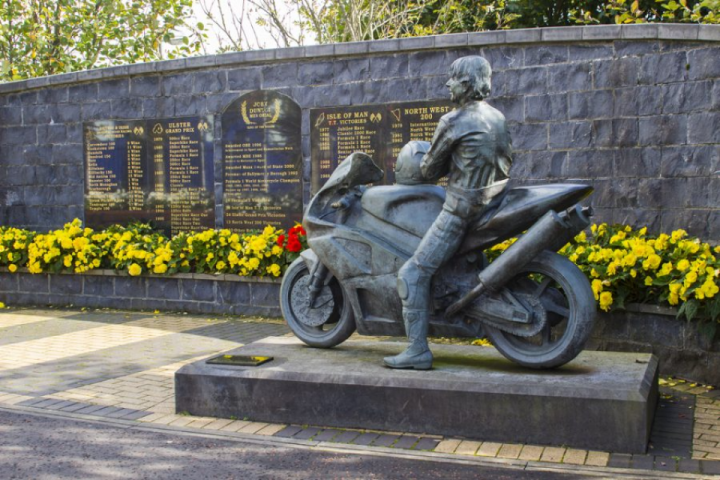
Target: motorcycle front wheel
{"x": 329, "y": 323}
{"x": 563, "y": 292}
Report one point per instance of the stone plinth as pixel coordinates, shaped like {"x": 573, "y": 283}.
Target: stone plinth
{"x": 601, "y": 400}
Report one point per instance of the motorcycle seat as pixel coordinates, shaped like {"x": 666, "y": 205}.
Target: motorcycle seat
{"x": 412, "y": 208}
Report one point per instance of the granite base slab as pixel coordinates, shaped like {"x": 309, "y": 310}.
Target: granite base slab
{"x": 600, "y": 400}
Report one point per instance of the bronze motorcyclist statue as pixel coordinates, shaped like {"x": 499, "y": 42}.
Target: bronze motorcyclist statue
{"x": 472, "y": 146}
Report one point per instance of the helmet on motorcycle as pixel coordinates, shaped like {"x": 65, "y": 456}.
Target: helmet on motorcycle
{"x": 407, "y": 167}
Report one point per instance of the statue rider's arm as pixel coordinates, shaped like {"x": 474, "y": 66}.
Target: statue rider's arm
{"x": 436, "y": 162}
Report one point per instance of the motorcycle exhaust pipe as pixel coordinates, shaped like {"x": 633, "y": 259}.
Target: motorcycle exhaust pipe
{"x": 551, "y": 232}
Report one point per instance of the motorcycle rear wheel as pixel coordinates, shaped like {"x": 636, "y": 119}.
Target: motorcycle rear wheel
{"x": 330, "y": 323}
{"x": 564, "y": 292}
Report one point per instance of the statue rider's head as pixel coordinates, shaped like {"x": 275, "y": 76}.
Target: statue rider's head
{"x": 469, "y": 79}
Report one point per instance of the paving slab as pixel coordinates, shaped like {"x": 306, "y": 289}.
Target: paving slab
{"x": 599, "y": 401}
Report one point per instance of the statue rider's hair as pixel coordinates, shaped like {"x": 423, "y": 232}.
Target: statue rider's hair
{"x": 476, "y": 72}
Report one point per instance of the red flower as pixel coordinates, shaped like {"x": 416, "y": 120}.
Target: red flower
{"x": 293, "y": 244}
{"x": 281, "y": 240}
{"x": 297, "y": 230}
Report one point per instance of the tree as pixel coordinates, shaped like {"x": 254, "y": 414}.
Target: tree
{"x": 45, "y": 37}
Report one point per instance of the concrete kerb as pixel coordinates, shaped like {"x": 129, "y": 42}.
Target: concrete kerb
{"x": 357, "y": 449}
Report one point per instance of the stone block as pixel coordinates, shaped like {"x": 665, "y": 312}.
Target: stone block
{"x": 96, "y": 111}
{"x": 247, "y": 78}
{"x": 8, "y": 282}
{"x": 639, "y": 216}
{"x": 326, "y": 50}
{"x": 599, "y": 401}
{"x": 198, "y": 290}
{"x": 163, "y": 288}
{"x": 66, "y": 284}
{"x": 694, "y": 221}
{"x": 690, "y": 161}
{"x": 37, "y": 82}
{"x": 53, "y": 95}
{"x": 246, "y": 57}
{"x": 234, "y": 293}
{"x": 18, "y": 135}
{"x": 116, "y": 88}
{"x": 708, "y": 33}
{"x": 383, "y": 46}
{"x": 625, "y": 132}
{"x": 132, "y": 287}
{"x": 158, "y": 107}
{"x": 569, "y": 77}
{"x": 315, "y": 73}
{"x": 389, "y": 66}
{"x": 503, "y": 58}
{"x": 486, "y": 38}
{"x": 170, "y": 65}
{"x": 543, "y": 108}
{"x": 664, "y": 68}
{"x": 529, "y": 136}
{"x": 10, "y": 116}
{"x": 546, "y": 54}
{"x": 525, "y": 35}
{"x": 65, "y": 113}
{"x": 290, "y": 53}
{"x": 180, "y": 84}
{"x": 199, "y": 62}
{"x": 620, "y": 72}
{"x": 561, "y": 34}
{"x": 265, "y": 294}
{"x": 527, "y": 81}
{"x": 84, "y": 93}
{"x": 589, "y": 164}
{"x": 34, "y": 283}
{"x": 190, "y": 105}
{"x": 142, "y": 68}
{"x": 214, "y": 81}
{"x": 66, "y": 154}
{"x": 588, "y": 105}
{"x": 635, "y": 48}
{"x": 599, "y": 32}
{"x": 538, "y": 165}
{"x": 677, "y": 32}
{"x": 351, "y": 48}
{"x": 416, "y": 43}
{"x": 38, "y": 154}
{"x": 280, "y": 75}
{"x": 74, "y": 132}
{"x": 451, "y": 40}
{"x": 145, "y": 86}
{"x": 99, "y": 286}
{"x": 692, "y": 192}
{"x": 421, "y": 64}
{"x": 638, "y": 101}
{"x": 640, "y": 30}
{"x": 128, "y": 108}
{"x": 20, "y": 175}
{"x": 663, "y": 130}
{"x": 703, "y": 128}
{"x": 637, "y": 162}
{"x": 587, "y": 52}
{"x": 571, "y": 135}
{"x": 217, "y": 103}
{"x": 351, "y": 70}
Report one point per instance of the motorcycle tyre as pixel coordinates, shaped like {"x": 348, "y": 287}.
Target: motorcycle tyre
{"x": 344, "y": 327}
{"x": 580, "y": 322}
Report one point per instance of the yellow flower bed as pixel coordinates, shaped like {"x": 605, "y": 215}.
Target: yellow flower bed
{"x": 629, "y": 266}
{"x": 137, "y": 249}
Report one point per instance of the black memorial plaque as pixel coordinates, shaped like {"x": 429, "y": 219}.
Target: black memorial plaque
{"x": 156, "y": 170}
{"x": 262, "y": 162}
{"x": 183, "y": 197}
{"x": 378, "y": 130}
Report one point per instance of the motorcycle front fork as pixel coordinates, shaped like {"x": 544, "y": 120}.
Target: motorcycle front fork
{"x": 319, "y": 274}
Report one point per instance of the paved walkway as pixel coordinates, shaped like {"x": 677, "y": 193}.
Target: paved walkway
{"x": 118, "y": 365}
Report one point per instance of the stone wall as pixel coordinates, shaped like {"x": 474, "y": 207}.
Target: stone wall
{"x": 632, "y": 110}
{"x": 194, "y": 293}
{"x": 682, "y": 350}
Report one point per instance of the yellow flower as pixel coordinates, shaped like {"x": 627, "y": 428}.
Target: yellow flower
{"x": 683, "y": 265}
{"x": 135, "y": 270}
{"x": 597, "y": 287}
{"x": 219, "y": 265}
{"x": 709, "y": 289}
{"x": 274, "y": 269}
{"x": 253, "y": 263}
{"x": 162, "y": 268}
{"x": 652, "y": 262}
{"x": 606, "y": 299}
{"x": 2, "y": 305}
{"x": 633, "y": 273}
{"x": 677, "y": 235}
{"x": 12, "y": 267}
{"x": 648, "y": 281}
{"x": 209, "y": 257}
{"x": 67, "y": 261}
{"x": 666, "y": 269}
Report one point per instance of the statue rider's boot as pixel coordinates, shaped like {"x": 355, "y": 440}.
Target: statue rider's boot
{"x": 417, "y": 355}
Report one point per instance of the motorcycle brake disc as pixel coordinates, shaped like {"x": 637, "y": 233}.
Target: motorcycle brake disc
{"x": 300, "y": 303}
{"x": 539, "y": 318}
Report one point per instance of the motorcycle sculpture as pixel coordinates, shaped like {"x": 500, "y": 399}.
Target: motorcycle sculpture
{"x": 536, "y": 306}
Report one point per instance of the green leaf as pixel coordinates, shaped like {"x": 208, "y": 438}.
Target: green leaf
{"x": 691, "y": 308}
